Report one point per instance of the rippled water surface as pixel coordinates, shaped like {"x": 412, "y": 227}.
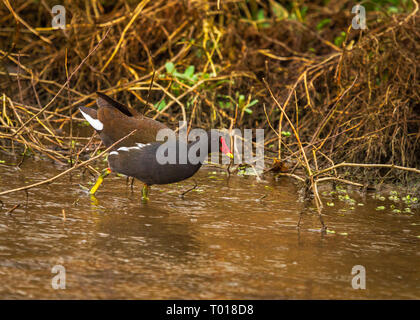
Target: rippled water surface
{"x": 220, "y": 242}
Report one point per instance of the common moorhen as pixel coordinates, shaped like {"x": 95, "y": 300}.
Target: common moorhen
{"x": 136, "y": 155}
{"x": 114, "y": 121}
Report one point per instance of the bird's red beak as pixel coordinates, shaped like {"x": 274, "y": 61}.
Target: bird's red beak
{"x": 225, "y": 149}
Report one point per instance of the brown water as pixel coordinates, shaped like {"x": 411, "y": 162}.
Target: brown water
{"x": 217, "y": 243}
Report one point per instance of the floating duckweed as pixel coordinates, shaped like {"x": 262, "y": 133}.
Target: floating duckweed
{"x": 324, "y": 193}
{"x": 340, "y": 189}
{"x": 332, "y": 193}
{"x": 407, "y": 199}
{"x": 410, "y": 200}
{"x": 378, "y": 197}
{"x": 330, "y": 231}
{"x": 330, "y": 204}
{"x": 380, "y": 208}
{"x": 393, "y": 193}
{"x": 346, "y": 198}
{"x": 360, "y": 204}
{"x": 407, "y": 210}
{"x": 396, "y": 211}
{"x": 343, "y": 234}
{"x": 394, "y": 198}
{"x": 268, "y": 187}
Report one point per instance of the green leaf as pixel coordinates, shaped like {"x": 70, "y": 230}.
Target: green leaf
{"x": 170, "y": 67}
{"x": 252, "y": 103}
{"x": 261, "y": 18}
{"x": 260, "y": 15}
{"x": 323, "y": 23}
{"x": 278, "y": 10}
{"x": 160, "y": 105}
{"x": 303, "y": 11}
{"x": 392, "y": 10}
{"x": 189, "y": 72}
{"x": 338, "y": 41}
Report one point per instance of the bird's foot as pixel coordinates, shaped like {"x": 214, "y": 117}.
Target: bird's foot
{"x": 103, "y": 175}
{"x": 145, "y": 194}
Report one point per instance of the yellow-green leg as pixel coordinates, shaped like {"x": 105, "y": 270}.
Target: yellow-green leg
{"x": 145, "y": 193}
{"x": 104, "y": 174}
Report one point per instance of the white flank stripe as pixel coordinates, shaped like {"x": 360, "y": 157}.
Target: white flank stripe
{"x": 141, "y": 145}
{"x": 138, "y": 147}
{"x": 95, "y": 123}
{"x": 113, "y": 152}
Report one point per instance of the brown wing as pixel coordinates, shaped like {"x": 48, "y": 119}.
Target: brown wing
{"x": 117, "y": 125}
{"x": 105, "y": 101}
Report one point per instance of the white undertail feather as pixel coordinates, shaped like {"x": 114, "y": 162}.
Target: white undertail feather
{"x": 138, "y": 147}
{"x": 95, "y": 123}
